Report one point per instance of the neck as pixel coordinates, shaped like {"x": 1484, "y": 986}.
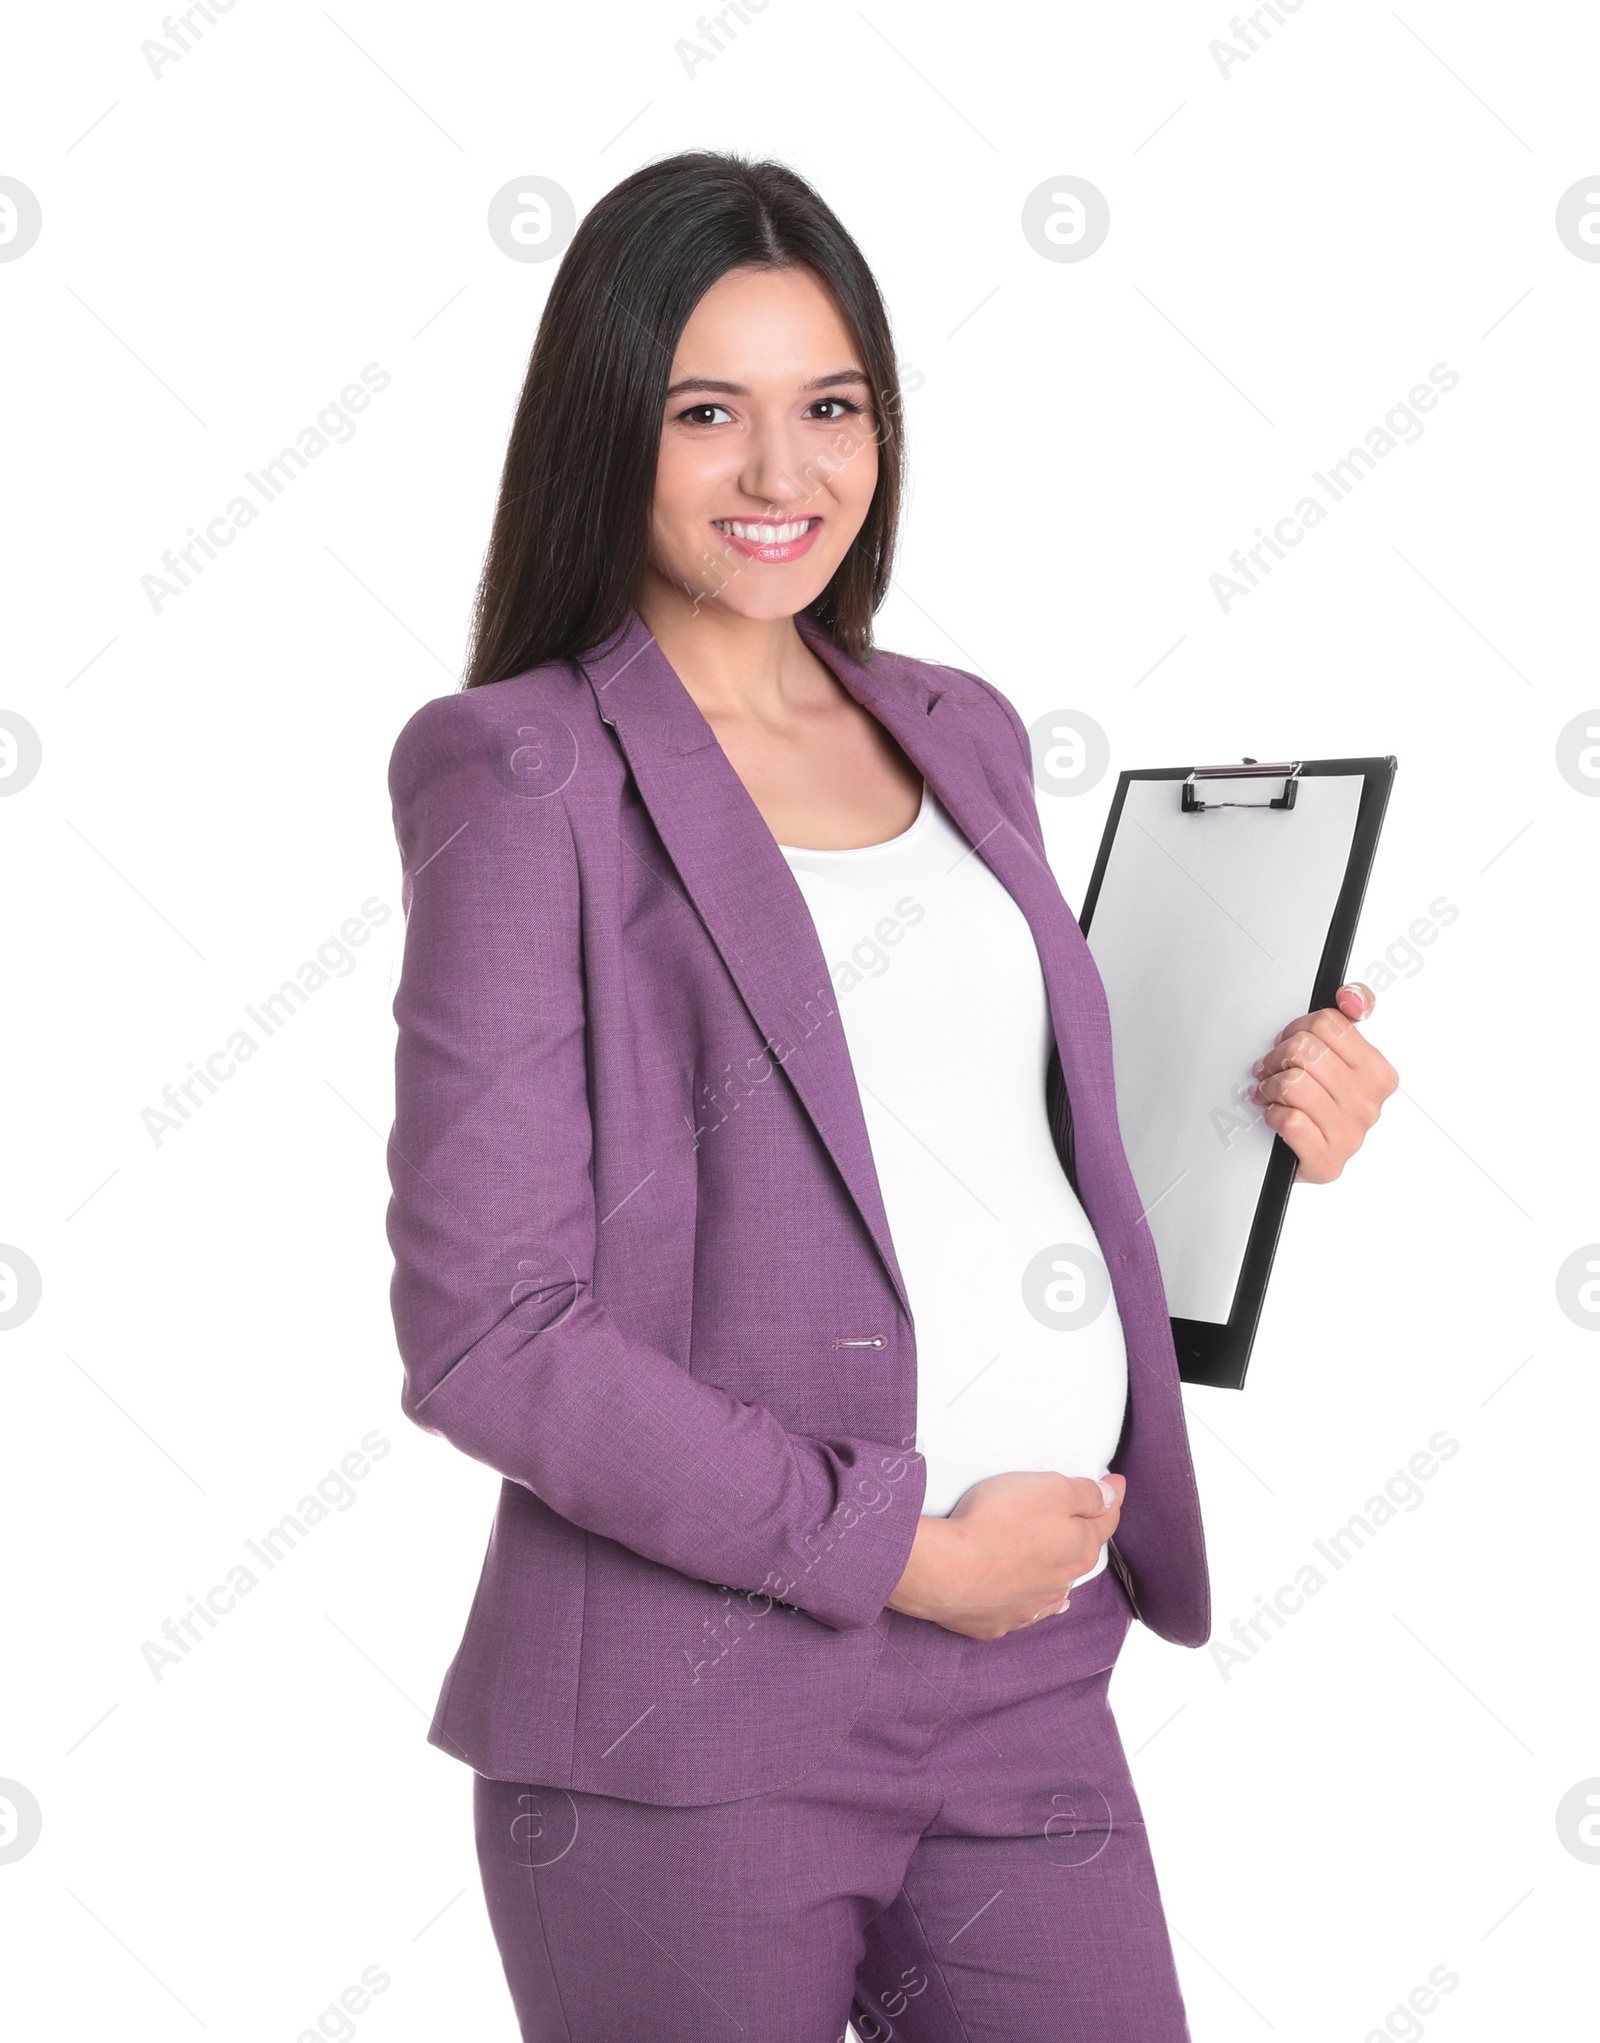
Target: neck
{"x": 733, "y": 666}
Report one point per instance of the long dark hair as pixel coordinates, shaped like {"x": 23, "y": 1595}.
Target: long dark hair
{"x": 572, "y": 522}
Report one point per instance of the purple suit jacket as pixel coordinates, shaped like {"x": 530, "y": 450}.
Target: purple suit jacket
{"x": 642, "y": 1267}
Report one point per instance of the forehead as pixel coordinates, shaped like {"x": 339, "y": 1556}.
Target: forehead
{"x": 765, "y": 327}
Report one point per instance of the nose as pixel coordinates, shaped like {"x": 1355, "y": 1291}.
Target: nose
{"x": 776, "y": 472}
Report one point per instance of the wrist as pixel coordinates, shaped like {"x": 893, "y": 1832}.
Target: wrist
{"x": 923, "y": 1589}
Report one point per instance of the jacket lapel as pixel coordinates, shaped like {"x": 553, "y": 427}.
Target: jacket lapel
{"x": 741, "y": 887}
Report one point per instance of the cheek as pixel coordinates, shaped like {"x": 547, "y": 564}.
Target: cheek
{"x": 858, "y": 472}
{"x": 680, "y": 484}
{"x": 685, "y": 488}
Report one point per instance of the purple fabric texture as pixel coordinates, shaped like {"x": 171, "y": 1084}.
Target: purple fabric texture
{"x": 642, "y": 1267}
{"x": 968, "y": 1864}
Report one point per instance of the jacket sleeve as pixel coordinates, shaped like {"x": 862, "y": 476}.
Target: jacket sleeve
{"x": 506, "y": 1349}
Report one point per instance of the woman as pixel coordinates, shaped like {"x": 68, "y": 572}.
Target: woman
{"x": 785, "y": 1681}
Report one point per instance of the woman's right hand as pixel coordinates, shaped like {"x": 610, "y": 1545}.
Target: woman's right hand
{"x": 1009, "y": 1551}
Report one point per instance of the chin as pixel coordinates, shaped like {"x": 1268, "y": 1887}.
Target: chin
{"x": 764, "y": 606}
{"x": 775, "y": 604}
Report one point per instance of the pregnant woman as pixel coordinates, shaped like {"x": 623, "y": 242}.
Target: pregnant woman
{"x": 760, "y": 1213}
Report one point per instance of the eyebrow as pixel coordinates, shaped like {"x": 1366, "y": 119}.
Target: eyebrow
{"x": 739, "y": 390}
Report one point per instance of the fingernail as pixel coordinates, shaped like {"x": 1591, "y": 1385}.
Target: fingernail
{"x": 1106, "y": 1490}
{"x": 1256, "y": 1067}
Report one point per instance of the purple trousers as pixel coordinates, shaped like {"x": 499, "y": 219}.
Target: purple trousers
{"x": 968, "y": 1865}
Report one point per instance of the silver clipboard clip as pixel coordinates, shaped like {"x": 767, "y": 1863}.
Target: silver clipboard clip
{"x": 1245, "y": 770}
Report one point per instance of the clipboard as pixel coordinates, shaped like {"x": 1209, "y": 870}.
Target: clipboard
{"x": 1223, "y": 902}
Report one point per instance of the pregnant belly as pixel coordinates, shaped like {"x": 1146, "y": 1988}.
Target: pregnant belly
{"x": 1020, "y": 1365}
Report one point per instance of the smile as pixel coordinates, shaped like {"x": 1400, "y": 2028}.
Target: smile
{"x": 761, "y": 540}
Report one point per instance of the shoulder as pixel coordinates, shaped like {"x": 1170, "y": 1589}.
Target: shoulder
{"x": 473, "y": 730}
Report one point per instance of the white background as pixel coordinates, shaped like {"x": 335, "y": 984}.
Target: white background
{"x": 1292, "y": 247}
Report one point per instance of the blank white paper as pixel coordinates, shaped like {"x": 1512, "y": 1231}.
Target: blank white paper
{"x": 1207, "y": 932}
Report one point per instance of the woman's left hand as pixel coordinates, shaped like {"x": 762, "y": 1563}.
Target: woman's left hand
{"x": 1322, "y": 1084}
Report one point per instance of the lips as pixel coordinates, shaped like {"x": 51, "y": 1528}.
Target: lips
{"x": 769, "y": 540}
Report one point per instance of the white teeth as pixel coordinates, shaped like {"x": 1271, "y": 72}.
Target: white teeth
{"x": 763, "y": 535}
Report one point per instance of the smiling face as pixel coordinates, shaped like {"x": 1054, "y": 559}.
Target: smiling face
{"x": 769, "y": 452}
